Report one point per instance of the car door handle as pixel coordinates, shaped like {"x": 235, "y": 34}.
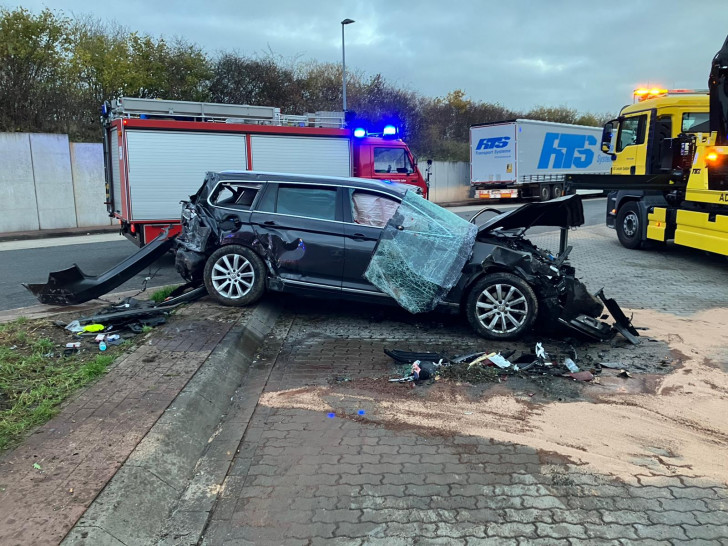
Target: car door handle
{"x": 358, "y": 236}
{"x": 269, "y": 223}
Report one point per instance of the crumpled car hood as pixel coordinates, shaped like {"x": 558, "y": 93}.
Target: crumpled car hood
{"x": 563, "y": 212}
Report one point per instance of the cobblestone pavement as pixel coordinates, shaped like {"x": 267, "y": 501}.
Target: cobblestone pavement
{"x": 303, "y": 477}
{"x": 80, "y": 449}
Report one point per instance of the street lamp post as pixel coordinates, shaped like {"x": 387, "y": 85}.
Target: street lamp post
{"x": 343, "y": 60}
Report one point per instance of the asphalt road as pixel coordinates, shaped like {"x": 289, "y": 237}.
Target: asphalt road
{"x": 32, "y": 265}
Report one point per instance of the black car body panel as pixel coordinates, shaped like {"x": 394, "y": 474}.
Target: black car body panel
{"x": 565, "y": 212}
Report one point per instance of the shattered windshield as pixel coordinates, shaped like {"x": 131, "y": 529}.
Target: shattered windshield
{"x": 420, "y": 254}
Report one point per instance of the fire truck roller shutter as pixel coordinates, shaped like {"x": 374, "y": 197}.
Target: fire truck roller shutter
{"x": 166, "y": 167}
{"x": 301, "y": 155}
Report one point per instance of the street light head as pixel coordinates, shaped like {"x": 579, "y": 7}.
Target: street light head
{"x": 347, "y": 21}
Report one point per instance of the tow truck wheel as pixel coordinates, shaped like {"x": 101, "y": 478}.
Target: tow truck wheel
{"x": 501, "y": 306}
{"x": 629, "y": 230}
{"x": 235, "y": 275}
{"x": 544, "y": 192}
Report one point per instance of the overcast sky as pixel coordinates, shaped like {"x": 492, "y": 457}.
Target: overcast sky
{"x": 580, "y": 53}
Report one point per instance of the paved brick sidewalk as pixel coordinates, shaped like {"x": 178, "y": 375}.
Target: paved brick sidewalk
{"x": 81, "y": 448}
{"x": 301, "y": 477}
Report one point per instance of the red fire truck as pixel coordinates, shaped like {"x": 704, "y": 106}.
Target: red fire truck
{"x": 156, "y": 152}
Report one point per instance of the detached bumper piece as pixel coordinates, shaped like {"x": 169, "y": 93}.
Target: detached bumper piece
{"x": 601, "y": 331}
{"x": 72, "y": 286}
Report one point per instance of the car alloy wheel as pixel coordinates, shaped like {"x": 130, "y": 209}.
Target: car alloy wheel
{"x": 501, "y": 306}
{"x": 233, "y": 276}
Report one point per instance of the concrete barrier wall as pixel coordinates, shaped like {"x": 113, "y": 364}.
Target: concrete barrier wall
{"x": 18, "y": 205}
{"x": 449, "y": 181}
{"x": 53, "y": 182}
{"x": 48, "y": 183}
{"x": 87, "y": 164}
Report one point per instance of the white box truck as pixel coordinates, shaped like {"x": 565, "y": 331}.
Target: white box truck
{"x": 528, "y": 159}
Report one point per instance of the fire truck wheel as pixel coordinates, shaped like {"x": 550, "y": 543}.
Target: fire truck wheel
{"x": 501, "y": 306}
{"x": 544, "y": 192}
{"x": 235, "y": 275}
{"x": 629, "y": 229}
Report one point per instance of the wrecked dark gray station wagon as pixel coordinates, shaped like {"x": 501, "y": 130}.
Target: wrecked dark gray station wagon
{"x": 246, "y": 232}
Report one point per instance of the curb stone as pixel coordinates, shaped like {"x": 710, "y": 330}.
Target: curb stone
{"x": 136, "y": 503}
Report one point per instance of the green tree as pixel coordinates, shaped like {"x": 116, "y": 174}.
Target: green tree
{"x": 34, "y": 70}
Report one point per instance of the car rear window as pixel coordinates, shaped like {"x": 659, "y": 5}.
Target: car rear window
{"x": 307, "y": 201}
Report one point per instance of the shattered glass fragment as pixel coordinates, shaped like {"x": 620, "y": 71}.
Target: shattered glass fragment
{"x": 420, "y": 254}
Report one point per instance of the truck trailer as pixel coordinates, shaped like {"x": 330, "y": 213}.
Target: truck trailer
{"x": 525, "y": 158}
{"x": 157, "y": 151}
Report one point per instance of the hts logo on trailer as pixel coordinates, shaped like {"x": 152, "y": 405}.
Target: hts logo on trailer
{"x": 492, "y": 143}
{"x": 567, "y": 151}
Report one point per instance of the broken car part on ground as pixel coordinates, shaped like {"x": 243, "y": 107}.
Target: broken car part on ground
{"x": 245, "y": 232}
{"x": 72, "y": 286}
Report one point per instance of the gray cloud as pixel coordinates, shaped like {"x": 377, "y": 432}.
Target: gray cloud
{"x": 521, "y": 53}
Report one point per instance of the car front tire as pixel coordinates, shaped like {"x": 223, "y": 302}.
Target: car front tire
{"x": 235, "y": 276}
{"x": 501, "y": 306}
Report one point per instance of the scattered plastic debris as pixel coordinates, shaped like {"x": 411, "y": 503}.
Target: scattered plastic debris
{"x": 36, "y": 466}
{"x": 571, "y": 365}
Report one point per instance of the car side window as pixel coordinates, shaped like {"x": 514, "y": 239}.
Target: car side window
{"x": 307, "y": 201}
{"x": 234, "y": 195}
{"x": 372, "y": 209}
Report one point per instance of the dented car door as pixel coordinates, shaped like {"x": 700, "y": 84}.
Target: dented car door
{"x": 300, "y": 229}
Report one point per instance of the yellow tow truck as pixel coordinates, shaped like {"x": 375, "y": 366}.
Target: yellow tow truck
{"x": 669, "y": 176}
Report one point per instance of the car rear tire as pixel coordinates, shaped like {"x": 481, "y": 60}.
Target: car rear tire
{"x": 235, "y": 276}
{"x": 501, "y": 306}
{"x": 629, "y": 229}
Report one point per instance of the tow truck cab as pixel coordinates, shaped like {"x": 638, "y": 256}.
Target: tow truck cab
{"x": 642, "y": 140}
